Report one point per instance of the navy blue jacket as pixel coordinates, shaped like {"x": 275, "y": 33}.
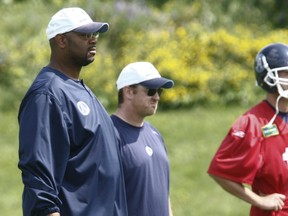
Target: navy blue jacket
{"x": 67, "y": 151}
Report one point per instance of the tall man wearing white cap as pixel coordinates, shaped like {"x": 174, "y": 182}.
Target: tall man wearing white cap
{"x": 142, "y": 148}
{"x": 67, "y": 144}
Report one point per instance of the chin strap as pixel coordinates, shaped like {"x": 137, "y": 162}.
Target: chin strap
{"x": 277, "y": 111}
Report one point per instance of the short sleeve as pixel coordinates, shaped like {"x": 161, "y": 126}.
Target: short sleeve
{"x": 238, "y": 157}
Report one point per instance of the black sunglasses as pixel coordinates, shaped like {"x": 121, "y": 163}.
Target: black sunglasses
{"x": 152, "y": 92}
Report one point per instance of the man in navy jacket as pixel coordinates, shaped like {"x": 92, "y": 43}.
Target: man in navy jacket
{"x": 67, "y": 151}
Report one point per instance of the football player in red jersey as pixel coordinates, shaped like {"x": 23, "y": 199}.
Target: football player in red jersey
{"x": 255, "y": 150}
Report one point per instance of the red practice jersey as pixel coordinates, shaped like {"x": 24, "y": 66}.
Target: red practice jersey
{"x": 254, "y": 154}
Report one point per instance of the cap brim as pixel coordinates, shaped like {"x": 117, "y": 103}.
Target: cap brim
{"x": 158, "y": 83}
{"x": 93, "y": 27}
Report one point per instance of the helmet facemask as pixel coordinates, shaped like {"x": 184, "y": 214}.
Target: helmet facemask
{"x": 272, "y": 78}
{"x": 273, "y": 56}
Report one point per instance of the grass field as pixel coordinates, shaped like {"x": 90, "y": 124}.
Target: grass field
{"x": 192, "y": 137}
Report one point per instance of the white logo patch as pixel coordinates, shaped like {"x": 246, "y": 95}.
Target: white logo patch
{"x": 149, "y": 150}
{"x": 240, "y": 134}
{"x": 154, "y": 132}
{"x": 83, "y": 108}
{"x": 285, "y": 155}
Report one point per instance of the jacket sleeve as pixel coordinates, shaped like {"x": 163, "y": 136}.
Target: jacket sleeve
{"x": 43, "y": 154}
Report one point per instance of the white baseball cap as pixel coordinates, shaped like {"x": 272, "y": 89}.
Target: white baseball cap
{"x": 143, "y": 73}
{"x": 76, "y": 19}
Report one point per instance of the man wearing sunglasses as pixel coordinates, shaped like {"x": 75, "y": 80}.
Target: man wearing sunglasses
{"x": 142, "y": 148}
{"x": 68, "y": 154}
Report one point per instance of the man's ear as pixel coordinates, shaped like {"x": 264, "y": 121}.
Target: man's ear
{"x": 128, "y": 92}
{"x": 60, "y": 40}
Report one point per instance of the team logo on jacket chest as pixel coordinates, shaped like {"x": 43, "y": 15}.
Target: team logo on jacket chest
{"x": 149, "y": 150}
{"x": 83, "y": 108}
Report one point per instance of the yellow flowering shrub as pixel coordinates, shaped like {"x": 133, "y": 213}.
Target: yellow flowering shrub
{"x": 208, "y": 66}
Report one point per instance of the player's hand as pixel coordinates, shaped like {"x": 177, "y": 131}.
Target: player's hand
{"x": 273, "y": 202}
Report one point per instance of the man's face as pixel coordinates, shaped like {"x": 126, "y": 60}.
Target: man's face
{"x": 81, "y": 47}
{"x": 284, "y": 75}
{"x": 143, "y": 102}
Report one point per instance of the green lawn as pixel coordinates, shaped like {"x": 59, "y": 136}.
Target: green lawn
{"x": 10, "y": 178}
{"x": 192, "y": 137}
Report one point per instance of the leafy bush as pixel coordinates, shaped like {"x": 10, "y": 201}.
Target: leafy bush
{"x": 208, "y": 65}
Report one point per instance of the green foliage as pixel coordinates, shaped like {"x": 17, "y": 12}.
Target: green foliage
{"x": 208, "y": 53}
{"x": 23, "y": 47}
{"x": 206, "y": 67}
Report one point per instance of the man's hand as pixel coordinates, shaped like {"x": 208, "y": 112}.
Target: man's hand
{"x": 272, "y": 201}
